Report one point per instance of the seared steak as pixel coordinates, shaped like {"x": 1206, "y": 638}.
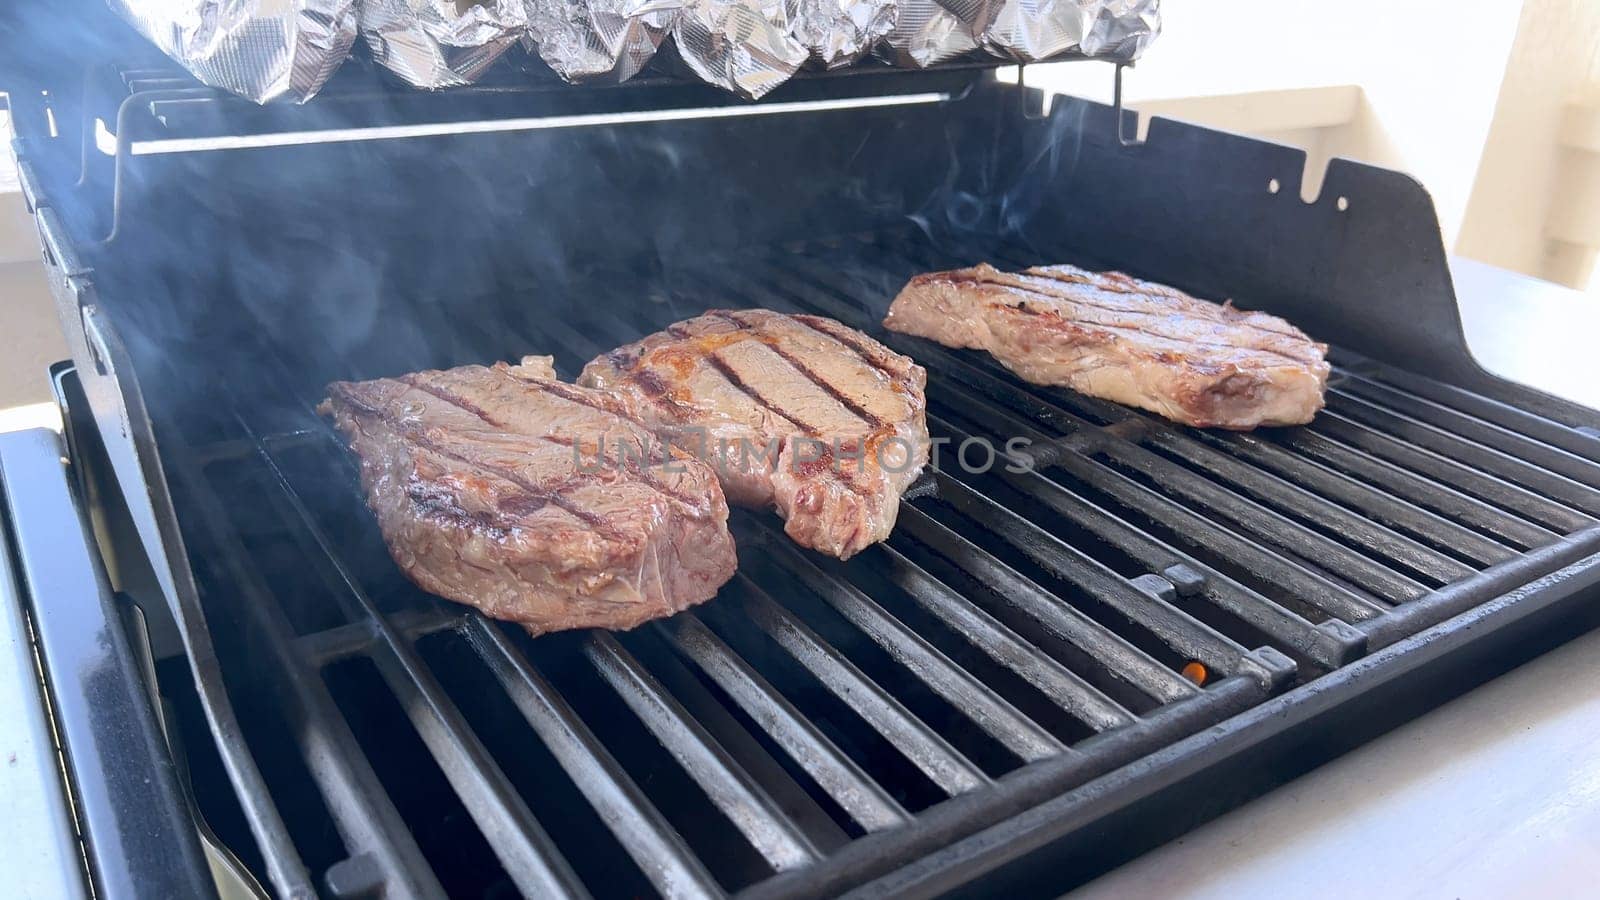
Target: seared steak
{"x": 533, "y": 500}
{"x": 1135, "y": 342}
{"x": 797, "y": 412}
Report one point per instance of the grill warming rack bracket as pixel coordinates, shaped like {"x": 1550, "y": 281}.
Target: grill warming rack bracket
{"x": 143, "y": 104}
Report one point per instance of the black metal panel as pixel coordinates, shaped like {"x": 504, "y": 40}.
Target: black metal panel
{"x": 139, "y": 838}
{"x": 1362, "y": 266}
{"x": 1193, "y": 206}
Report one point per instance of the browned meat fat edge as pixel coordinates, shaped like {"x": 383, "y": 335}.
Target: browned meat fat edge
{"x": 1115, "y": 337}
{"x": 528, "y": 546}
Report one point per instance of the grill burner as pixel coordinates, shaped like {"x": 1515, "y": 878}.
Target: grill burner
{"x": 819, "y": 724}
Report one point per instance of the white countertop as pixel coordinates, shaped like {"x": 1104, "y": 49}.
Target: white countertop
{"x": 1496, "y": 794}
{"x": 1531, "y": 331}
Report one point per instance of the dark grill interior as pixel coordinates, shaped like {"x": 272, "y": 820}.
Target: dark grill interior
{"x": 1021, "y": 633}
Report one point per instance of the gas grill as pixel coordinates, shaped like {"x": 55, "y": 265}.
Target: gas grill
{"x": 1077, "y": 652}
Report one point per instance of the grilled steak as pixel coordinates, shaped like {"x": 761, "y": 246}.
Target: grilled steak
{"x": 533, "y": 500}
{"x": 797, "y": 412}
{"x": 1135, "y": 342}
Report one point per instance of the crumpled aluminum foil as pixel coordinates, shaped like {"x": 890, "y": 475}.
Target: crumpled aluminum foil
{"x": 745, "y": 46}
{"x": 1036, "y": 30}
{"x": 258, "y": 49}
{"x": 926, "y": 33}
{"x": 435, "y": 44}
{"x": 1124, "y": 29}
{"x": 839, "y": 32}
{"x": 598, "y": 40}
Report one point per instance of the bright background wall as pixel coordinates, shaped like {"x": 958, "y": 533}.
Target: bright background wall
{"x": 1472, "y": 97}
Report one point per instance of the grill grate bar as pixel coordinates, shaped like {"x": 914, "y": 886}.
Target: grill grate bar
{"x": 1062, "y": 686}
{"x": 1469, "y": 428}
{"x": 1499, "y": 492}
{"x": 1554, "y": 433}
{"x": 1325, "y": 644}
{"x": 648, "y": 838}
{"x": 366, "y": 818}
{"x": 1175, "y": 629}
{"x": 971, "y": 697}
{"x": 524, "y": 848}
{"x": 839, "y": 776}
{"x": 1290, "y": 499}
{"x": 1495, "y": 581}
{"x": 1267, "y": 527}
{"x": 920, "y": 745}
{"x": 1063, "y": 622}
{"x": 362, "y": 811}
{"x": 1502, "y": 465}
{"x": 1264, "y": 524}
{"x": 1228, "y": 594}
{"x": 1397, "y": 513}
{"x": 1282, "y": 495}
{"x": 1102, "y": 753}
{"x": 529, "y": 855}
{"x": 340, "y": 642}
{"x": 730, "y": 788}
{"x": 1426, "y": 493}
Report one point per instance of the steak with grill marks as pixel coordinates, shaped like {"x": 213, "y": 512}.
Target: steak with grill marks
{"x": 797, "y": 412}
{"x": 1135, "y": 342}
{"x": 533, "y": 500}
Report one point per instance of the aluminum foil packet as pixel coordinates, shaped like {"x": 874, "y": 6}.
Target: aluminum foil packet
{"x": 1124, "y": 29}
{"x": 839, "y": 32}
{"x": 258, "y": 49}
{"x": 745, "y": 46}
{"x": 927, "y": 33}
{"x": 598, "y": 40}
{"x": 1035, "y": 30}
{"x": 434, "y": 44}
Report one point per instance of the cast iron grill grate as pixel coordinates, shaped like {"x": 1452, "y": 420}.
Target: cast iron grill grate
{"x": 821, "y": 722}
